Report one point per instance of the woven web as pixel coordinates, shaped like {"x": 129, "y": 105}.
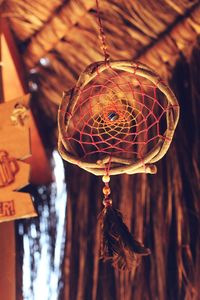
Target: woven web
{"x": 119, "y": 114}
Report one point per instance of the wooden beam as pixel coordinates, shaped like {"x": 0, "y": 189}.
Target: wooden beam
{"x": 11, "y": 65}
{"x": 12, "y": 85}
{"x": 7, "y": 233}
{"x": 14, "y": 174}
{"x": 7, "y": 261}
{"x": 9, "y": 72}
{"x": 1, "y": 65}
{"x": 40, "y": 168}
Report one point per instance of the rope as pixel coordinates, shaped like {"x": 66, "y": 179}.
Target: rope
{"x": 102, "y": 34}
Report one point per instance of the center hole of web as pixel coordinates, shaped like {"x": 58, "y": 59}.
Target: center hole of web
{"x": 113, "y": 116}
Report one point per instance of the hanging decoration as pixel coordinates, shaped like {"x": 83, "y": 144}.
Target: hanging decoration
{"x": 119, "y": 118}
{"x": 14, "y": 172}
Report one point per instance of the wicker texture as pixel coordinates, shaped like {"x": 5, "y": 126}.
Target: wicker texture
{"x": 129, "y": 166}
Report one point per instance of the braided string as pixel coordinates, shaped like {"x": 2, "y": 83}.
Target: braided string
{"x": 102, "y": 34}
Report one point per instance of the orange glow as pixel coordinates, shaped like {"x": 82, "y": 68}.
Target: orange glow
{"x": 11, "y": 82}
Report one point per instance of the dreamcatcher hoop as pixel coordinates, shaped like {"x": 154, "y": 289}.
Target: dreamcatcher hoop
{"x": 118, "y": 164}
{"x": 119, "y": 118}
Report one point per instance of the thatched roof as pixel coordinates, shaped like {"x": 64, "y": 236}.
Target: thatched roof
{"x": 66, "y": 32}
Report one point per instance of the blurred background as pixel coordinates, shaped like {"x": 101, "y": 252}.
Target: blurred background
{"x": 56, "y": 254}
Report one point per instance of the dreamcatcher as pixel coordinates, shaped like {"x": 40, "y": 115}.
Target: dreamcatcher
{"x": 119, "y": 118}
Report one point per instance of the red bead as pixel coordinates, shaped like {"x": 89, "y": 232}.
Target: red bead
{"x": 106, "y": 190}
{"x": 107, "y": 202}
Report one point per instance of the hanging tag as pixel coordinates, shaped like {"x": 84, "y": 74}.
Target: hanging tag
{"x": 14, "y": 148}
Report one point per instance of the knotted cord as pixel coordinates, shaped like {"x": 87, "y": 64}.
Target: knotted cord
{"x": 102, "y": 35}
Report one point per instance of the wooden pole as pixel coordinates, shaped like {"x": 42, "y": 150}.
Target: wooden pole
{"x": 7, "y": 233}
{"x": 7, "y": 261}
{"x": 1, "y": 65}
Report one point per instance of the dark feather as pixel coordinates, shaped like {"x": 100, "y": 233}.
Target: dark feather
{"x": 117, "y": 243}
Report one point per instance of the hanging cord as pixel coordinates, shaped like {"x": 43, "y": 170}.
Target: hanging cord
{"x": 117, "y": 243}
{"x": 106, "y": 189}
{"x": 102, "y": 34}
